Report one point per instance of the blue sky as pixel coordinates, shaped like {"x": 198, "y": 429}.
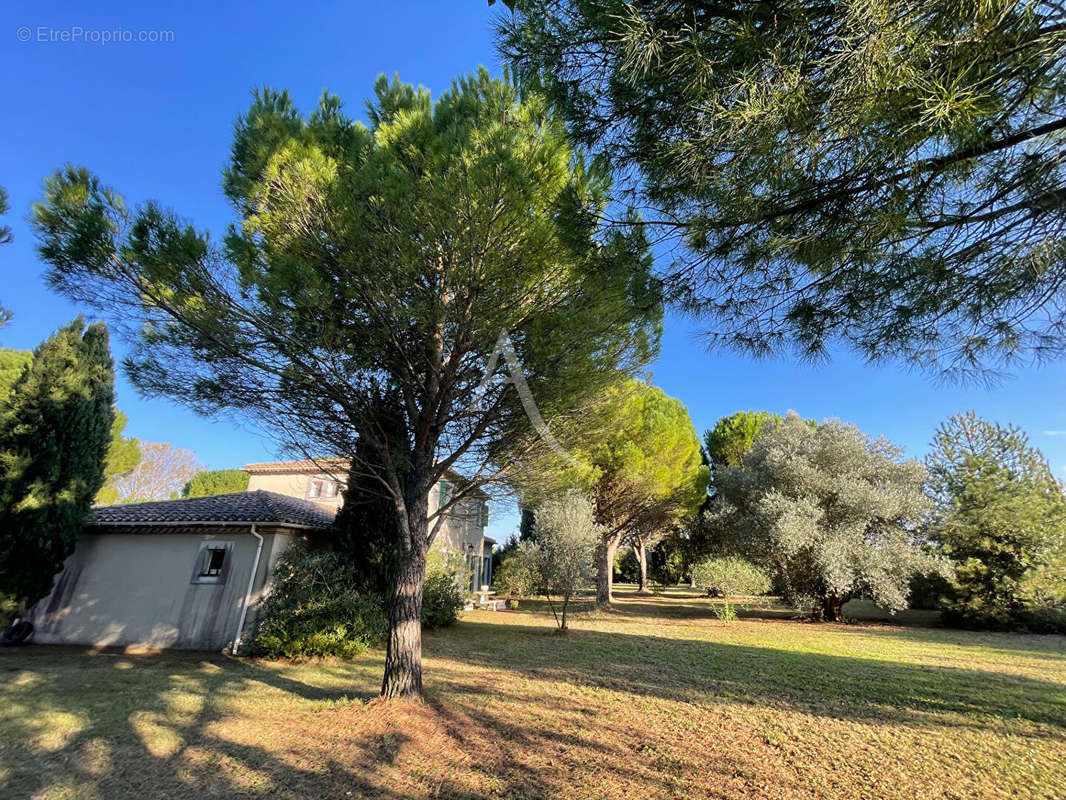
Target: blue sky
{"x": 154, "y": 120}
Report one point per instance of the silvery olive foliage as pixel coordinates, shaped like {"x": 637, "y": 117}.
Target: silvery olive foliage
{"x": 729, "y": 577}
{"x": 561, "y": 560}
{"x": 833, "y": 512}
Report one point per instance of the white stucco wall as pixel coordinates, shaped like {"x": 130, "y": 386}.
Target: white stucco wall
{"x": 136, "y": 589}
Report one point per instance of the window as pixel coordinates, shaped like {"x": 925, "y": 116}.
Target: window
{"x": 212, "y": 566}
{"x": 443, "y": 499}
{"x": 212, "y": 562}
{"x": 484, "y": 515}
{"x": 319, "y": 487}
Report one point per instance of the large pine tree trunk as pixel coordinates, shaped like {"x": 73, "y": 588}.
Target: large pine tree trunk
{"x": 642, "y": 560}
{"x": 403, "y": 653}
{"x": 605, "y": 569}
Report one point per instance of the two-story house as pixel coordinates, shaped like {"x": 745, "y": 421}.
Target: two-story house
{"x": 323, "y": 482}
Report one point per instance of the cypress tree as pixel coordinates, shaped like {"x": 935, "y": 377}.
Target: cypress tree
{"x": 55, "y": 430}
{"x": 527, "y": 525}
{"x": 365, "y": 529}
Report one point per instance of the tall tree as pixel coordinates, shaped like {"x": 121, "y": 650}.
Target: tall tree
{"x": 365, "y": 529}
{"x": 832, "y": 512}
{"x": 527, "y": 524}
{"x": 55, "y": 428}
{"x": 636, "y": 452}
{"x": 732, "y": 437}
{"x": 123, "y": 456}
{"x": 1003, "y": 517}
{"x": 371, "y": 263}
{"x": 160, "y": 474}
{"x": 889, "y": 173}
{"x": 216, "y": 481}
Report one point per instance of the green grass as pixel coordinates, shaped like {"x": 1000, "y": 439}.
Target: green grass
{"x": 654, "y": 699}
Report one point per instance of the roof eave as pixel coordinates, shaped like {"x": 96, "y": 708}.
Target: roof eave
{"x": 204, "y": 523}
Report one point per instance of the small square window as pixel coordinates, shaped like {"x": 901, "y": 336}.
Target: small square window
{"x": 212, "y": 562}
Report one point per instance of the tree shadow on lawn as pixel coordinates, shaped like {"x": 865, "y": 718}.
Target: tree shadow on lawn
{"x": 498, "y": 722}
{"x": 679, "y": 603}
{"x": 836, "y": 686}
{"x": 77, "y": 723}
{"x": 105, "y": 725}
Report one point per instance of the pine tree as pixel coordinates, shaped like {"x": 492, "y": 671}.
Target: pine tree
{"x": 216, "y": 481}
{"x": 55, "y": 429}
{"x": 881, "y": 174}
{"x": 5, "y": 230}
{"x": 369, "y": 262}
{"x": 1004, "y": 518}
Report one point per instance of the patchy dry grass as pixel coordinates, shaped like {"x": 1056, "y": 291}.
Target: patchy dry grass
{"x": 656, "y": 699}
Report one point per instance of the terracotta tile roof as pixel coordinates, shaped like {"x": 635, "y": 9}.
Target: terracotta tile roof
{"x": 258, "y": 506}
{"x": 304, "y": 465}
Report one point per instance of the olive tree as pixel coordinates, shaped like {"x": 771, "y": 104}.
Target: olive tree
{"x": 729, "y": 577}
{"x": 565, "y": 550}
{"x": 834, "y": 513}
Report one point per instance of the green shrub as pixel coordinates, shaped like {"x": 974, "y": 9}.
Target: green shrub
{"x": 725, "y": 611}
{"x": 315, "y": 609}
{"x": 447, "y": 576}
{"x": 729, "y": 577}
{"x": 319, "y": 605}
{"x": 517, "y": 574}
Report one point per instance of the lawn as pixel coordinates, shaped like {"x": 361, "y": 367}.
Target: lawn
{"x": 655, "y": 699}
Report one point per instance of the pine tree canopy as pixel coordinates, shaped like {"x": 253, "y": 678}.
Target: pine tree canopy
{"x": 368, "y": 282}
{"x": 216, "y": 481}
{"x": 371, "y": 260}
{"x": 882, "y": 172}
